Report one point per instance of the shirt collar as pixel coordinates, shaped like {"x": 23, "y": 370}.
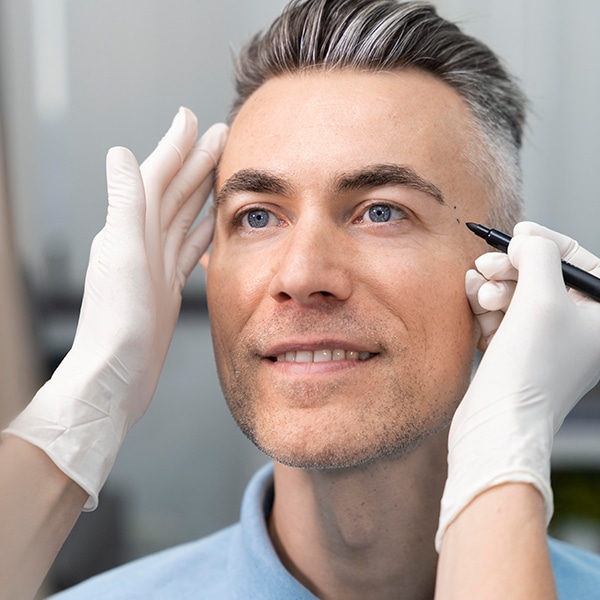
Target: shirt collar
{"x": 255, "y": 568}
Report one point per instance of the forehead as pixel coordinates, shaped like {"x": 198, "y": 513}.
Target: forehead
{"x": 310, "y": 126}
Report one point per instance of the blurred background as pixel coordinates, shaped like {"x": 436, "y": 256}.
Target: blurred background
{"x": 80, "y": 76}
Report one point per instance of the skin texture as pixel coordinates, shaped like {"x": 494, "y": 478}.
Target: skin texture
{"x": 309, "y": 155}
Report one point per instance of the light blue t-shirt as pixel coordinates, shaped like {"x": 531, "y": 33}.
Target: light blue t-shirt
{"x": 240, "y": 563}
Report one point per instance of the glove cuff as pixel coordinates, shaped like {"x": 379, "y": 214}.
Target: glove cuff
{"x": 79, "y": 438}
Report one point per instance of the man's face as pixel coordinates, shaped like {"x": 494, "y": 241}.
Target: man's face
{"x": 336, "y": 281}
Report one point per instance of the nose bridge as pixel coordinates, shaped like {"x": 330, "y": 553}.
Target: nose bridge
{"x": 312, "y": 265}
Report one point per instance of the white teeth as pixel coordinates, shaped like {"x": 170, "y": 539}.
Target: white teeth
{"x": 306, "y": 356}
{"x": 339, "y": 355}
{"x": 322, "y": 355}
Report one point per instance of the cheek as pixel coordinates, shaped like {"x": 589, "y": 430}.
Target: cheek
{"x": 449, "y": 333}
{"x": 428, "y": 295}
{"x": 235, "y": 284}
{"x": 227, "y": 299}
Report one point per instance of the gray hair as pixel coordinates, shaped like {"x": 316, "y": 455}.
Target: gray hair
{"x": 385, "y": 35}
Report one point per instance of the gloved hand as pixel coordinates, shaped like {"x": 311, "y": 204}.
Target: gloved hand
{"x": 541, "y": 358}
{"x": 138, "y": 266}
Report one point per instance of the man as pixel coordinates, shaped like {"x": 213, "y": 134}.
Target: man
{"x": 365, "y": 135}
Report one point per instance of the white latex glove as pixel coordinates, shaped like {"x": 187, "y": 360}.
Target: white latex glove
{"x": 542, "y": 358}
{"x": 138, "y": 266}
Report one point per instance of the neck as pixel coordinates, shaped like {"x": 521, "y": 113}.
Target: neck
{"x": 364, "y": 532}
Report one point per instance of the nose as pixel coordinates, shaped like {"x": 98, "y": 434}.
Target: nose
{"x": 313, "y": 266}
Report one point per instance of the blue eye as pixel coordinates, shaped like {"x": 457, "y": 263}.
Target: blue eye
{"x": 382, "y": 213}
{"x": 257, "y": 218}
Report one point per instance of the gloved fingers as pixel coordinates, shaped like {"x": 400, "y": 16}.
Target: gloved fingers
{"x": 473, "y": 281}
{"x": 496, "y": 295}
{"x": 492, "y": 286}
{"x": 169, "y": 155}
{"x": 569, "y": 249}
{"x": 496, "y": 266}
{"x": 125, "y": 218}
{"x": 488, "y": 321}
{"x": 202, "y": 160}
{"x": 198, "y": 166}
{"x": 194, "y": 247}
{"x": 179, "y": 228}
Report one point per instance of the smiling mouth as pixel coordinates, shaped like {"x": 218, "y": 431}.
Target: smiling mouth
{"x": 325, "y": 355}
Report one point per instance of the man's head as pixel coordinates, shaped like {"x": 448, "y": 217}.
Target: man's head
{"x": 336, "y": 282}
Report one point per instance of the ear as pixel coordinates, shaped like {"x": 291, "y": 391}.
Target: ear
{"x": 204, "y": 259}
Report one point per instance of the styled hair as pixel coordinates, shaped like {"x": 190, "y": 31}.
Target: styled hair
{"x": 384, "y": 36}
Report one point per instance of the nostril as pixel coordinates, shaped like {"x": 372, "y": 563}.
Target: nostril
{"x": 282, "y": 297}
{"x": 308, "y": 281}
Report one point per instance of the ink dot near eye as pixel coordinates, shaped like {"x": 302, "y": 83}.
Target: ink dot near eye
{"x": 258, "y": 218}
{"x": 380, "y": 213}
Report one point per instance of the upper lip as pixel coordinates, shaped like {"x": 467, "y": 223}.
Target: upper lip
{"x": 314, "y": 345}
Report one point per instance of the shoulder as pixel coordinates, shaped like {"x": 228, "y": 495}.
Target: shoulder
{"x": 197, "y": 569}
{"x": 230, "y": 563}
{"x": 577, "y": 571}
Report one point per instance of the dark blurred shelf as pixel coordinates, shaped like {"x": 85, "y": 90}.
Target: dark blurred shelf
{"x": 68, "y": 305}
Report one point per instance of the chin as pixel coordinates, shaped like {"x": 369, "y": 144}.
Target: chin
{"x": 329, "y": 449}
{"x": 346, "y": 428}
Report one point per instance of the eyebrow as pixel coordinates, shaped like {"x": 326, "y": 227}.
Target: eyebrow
{"x": 373, "y": 176}
{"x": 253, "y": 180}
{"x": 387, "y": 174}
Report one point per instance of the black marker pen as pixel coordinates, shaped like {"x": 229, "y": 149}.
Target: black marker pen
{"x": 575, "y": 278}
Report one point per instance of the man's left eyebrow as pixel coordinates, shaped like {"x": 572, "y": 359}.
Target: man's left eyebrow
{"x": 386, "y": 174}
